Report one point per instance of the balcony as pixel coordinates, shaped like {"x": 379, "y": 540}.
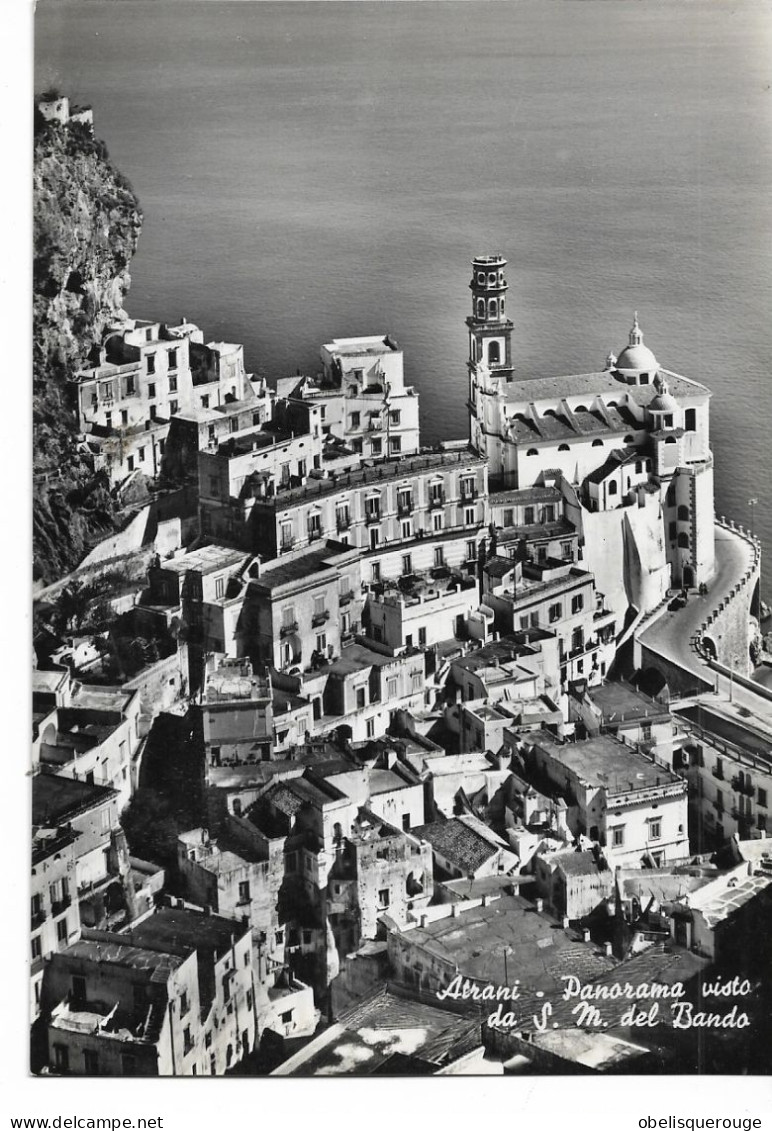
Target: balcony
{"x": 342, "y": 522}
{"x": 470, "y": 495}
{"x": 436, "y": 501}
{"x": 289, "y": 628}
{"x": 60, "y": 905}
{"x": 372, "y": 517}
{"x": 286, "y": 544}
{"x": 319, "y": 619}
{"x": 404, "y": 509}
{"x": 346, "y": 598}
{"x": 314, "y": 534}
{"x": 37, "y": 919}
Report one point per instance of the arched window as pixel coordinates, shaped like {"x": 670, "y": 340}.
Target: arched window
{"x": 501, "y": 305}
{"x": 494, "y": 353}
{"x": 492, "y": 307}
{"x": 597, "y": 443}
{"x": 612, "y": 487}
{"x": 683, "y": 513}
{"x": 690, "y": 420}
{"x": 550, "y": 412}
{"x": 670, "y": 440}
{"x": 532, "y": 452}
{"x": 564, "y": 448}
{"x": 683, "y": 541}
{"x": 492, "y": 278}
{"x": 612, "y": 404}
{"x": 481, "y": 277}
{"x": 581, "y": 408}
{"x": 481, "y": 308}
{"x": 521, "y": 417}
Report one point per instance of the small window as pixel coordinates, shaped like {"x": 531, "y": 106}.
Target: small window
{"x": 173, "y": 407}
{"x": 597, "y": 443}
{"x": 172, "y": 384}
{"x": 618, "y": 836}
{"x": 173, "y": 359}
{"x": 655, "y": 829}
{"x": 383, "y": 898}
{"x": 151, "y": 363}
{"x": 534, "y": 451}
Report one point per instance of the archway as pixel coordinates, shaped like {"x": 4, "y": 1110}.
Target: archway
{"x": 688, "y": 577}
{"x": 709, "y": 645}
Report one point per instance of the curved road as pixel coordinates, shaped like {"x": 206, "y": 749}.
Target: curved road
{"x": 670, "y": 633}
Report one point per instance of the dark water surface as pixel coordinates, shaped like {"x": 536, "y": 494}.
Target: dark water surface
{"x": 318, "y": 170}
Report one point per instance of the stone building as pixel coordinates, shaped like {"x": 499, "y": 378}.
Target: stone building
{"x": 174, "y": 997}
{"x": 631, "y": 806}
{"x": 422, "y": 513}
{"x": 362, "y": 396}
{"x": 143, "y": 375}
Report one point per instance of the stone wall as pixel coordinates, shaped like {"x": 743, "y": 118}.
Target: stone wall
{"x": 725, "y": 635}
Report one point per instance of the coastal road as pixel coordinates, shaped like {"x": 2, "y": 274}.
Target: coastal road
{"x": 671, "y": 632}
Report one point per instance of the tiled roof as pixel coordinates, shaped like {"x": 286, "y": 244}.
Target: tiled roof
{"x": 461, "y": 845}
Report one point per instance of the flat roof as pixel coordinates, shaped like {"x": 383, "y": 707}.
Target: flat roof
{"x": 373, "y": 345}
{"x": 385, "y": 471}
{"x": 180, "y": 931}
{"x": 509, "y": 940}
{"x": 524, "y": 496}
{"x": 55, "y": 799}
{"x": 619, "y": 702}
{"x": 114, "y": 951}
{"x": 206, "y": 559}
{"x": 605, "y": 761}
{"x": 311, "y": 563}
{"x": 732, "y": 730}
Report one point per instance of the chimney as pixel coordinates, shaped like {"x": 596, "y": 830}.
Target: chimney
{"x": 566, "y": 922}
{"x": 585, "y": 935}
{"x": 540, "y": 905}
{"x": 424, "y": 921}
{"x": 608, "y": 950}
{"x": 454, "y": 910}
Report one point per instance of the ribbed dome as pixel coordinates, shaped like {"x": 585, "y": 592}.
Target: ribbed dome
{"x": 638, "y": 358}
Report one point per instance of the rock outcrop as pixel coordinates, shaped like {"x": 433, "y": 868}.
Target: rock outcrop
{"x": 87, "y": 221}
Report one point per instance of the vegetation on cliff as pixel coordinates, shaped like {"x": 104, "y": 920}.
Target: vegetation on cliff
{"x": 87, "y": 221}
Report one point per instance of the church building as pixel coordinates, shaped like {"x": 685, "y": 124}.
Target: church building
{"x": 628, "y": 444}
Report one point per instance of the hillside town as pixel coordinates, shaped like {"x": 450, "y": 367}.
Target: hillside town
{"x": 354, "y": 755}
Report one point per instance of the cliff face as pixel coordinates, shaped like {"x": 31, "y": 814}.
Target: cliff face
{"x": 86, "y": 225}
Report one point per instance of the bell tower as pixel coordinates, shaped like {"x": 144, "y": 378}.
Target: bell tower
{"x": 490, "y": 331}
{"x": 490, "y": 348}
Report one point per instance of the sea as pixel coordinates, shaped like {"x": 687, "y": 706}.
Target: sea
{"x": 318, "y": 170}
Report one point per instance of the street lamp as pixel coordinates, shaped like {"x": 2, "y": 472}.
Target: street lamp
{"x": 752, "y": 503}
{"x": 732, "y": 665}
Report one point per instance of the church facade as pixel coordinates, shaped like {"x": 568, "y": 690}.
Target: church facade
{"x": 629, "y": 446}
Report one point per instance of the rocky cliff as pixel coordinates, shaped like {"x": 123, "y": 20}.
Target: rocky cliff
{"x": 87, "y": 221}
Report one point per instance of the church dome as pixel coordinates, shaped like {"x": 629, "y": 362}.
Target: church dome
{"x": 640, "y": 358}
{"x": 663, "y": 402}
{"x": 636, "y": 357}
